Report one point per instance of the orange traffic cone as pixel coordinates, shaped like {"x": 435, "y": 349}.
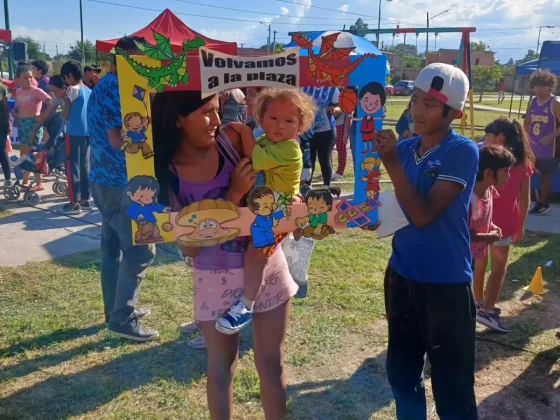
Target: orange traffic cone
{"x": 537, "y": 285}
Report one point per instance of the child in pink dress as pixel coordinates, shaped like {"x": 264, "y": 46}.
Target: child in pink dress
{"x": 509, "y": 213}
{"x": 493, "y": 171}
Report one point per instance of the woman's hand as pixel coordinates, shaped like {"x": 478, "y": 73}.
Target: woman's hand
{"x": 242, "y": 180}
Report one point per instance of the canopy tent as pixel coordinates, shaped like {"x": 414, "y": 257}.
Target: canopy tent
{"x": 170, "y": 26}
{"x": 5, "y": 36}
{"x": 549, "y": 60}
{"x": 345, "y": 40}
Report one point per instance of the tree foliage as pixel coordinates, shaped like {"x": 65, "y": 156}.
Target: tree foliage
{"x": 277, "y": 49}
{"x": 531, "y": 55}
{"x": 479, "y": 46}
{"x": 484, "y": 77}
{"x": 75, "y": 51}
{"x": 359, "y": 27}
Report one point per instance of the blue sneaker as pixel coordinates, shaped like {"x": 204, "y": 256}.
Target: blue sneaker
{"x": 237, "y": 317}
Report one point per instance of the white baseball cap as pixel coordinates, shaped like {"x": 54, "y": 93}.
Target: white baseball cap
{"x": 446, "y": 83}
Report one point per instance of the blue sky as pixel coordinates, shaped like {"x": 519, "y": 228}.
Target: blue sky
{"x": 510, "y": 27}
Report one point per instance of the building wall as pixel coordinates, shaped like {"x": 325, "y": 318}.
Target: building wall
{"x": 450, "y": 57}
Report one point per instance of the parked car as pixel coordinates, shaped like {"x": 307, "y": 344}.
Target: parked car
{"x": 404, "y": 87}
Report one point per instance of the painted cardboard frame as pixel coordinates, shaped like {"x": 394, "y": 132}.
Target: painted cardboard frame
{"x": 140, "y": 76}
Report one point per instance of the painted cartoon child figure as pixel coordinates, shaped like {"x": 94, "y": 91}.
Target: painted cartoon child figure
{"x": 372, "y": 100}
{"x": 315, "y": 225}
{"x": 262, "y": 203}
{"x": 140, "y": 198}
{"x": 135, "y": 134}
{"x": 372, "y": 178}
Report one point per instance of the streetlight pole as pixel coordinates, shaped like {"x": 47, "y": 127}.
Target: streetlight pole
{"x": 539, "y": 40}
{"x": 10, "y": 51}
{"x": 379, "y": 23}
{"x": 82, "y": 34}
{"x": 428, "y": 18}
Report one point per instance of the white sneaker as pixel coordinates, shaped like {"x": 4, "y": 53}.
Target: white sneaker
{"x": 337, "y": 176}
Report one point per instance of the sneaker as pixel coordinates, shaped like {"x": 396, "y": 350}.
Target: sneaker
{"x": 237, "y": 317}
{"x": 133, "y": 330}
{"x": 540, "y": 209}
{"x": 72, "y": 208}
{"x": 138, "y": 313}
{"x": 491, "y": 319}
{"x": 7, "y": 183}
{"x": 336, "y": 176}
{"x": 304, "y": 189}
{"x": 85, "y": 205}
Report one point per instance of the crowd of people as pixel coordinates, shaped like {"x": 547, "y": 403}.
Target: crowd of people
{"x": 463, "y": 201}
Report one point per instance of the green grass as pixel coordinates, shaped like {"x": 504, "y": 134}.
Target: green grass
{"x": 56, "y": 360}
{"x": 4, "y": 212}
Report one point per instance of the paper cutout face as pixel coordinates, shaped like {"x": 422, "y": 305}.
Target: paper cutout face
{"x": 207, "y": 217}
{"x": 315, "y": 225}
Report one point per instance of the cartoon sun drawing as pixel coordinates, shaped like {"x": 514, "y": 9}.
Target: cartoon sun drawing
{"x": 206, "y": 217}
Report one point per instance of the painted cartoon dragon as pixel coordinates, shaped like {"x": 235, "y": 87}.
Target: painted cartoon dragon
{"x": 173, "y": 73}
{"x": 319, "y": 68}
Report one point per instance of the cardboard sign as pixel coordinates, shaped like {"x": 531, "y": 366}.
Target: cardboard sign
{"x": 219, "y": 72}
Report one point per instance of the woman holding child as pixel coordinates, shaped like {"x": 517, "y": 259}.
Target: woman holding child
{"x": 195, "y": 160}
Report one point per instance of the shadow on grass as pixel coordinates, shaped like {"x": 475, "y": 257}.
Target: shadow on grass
{"x": 366, "y": 392}
{"x": 49, "y": 339}
{"x": 532, "y": 385}
{"x": 64, "y": 396}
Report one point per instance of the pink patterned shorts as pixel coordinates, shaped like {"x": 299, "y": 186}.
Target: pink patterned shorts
{"x": 215, "y": 291}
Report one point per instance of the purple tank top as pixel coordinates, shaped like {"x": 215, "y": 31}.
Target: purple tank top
{"x": 542, "y": 123}
{"x": 229, "y": 255}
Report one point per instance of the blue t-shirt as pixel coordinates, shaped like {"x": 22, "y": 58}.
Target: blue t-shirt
{"x": 440, "y": 252}
{"x": 108, "y": 165}
{"x": 261, "y": 229}
{"x": 136, "y": 210}
{"x": 137, "y": 136}
{"x": 77, "y": 123}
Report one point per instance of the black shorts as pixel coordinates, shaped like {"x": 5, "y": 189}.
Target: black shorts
{"x": 547, "y": 166}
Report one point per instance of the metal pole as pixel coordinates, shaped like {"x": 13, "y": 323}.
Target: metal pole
{"x": 378, "y": 24}
{"x": 10, "y": 50}
{"x": 274, "y": 43}
{"x": 427, "y": 34}
{"x": 539, "y": 40}
{"x": 268, "y": 42}
{"x": 82, "y": 35}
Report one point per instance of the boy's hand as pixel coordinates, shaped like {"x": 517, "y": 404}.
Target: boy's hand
{"x": 287, "y": 212}
{"x": 275, "y": 222}
{"x": 317, "y": 231}
{"x": 493, "y": 236}
{"x": 300, "y": 222}
{"x": 167, "y": 210}
{"x": 386, "y": 144}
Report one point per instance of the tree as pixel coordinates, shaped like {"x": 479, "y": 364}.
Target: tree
{"x": 277, "y": 49}
{"x": 359, "y": 27}
{"x": 75, "y": 51}
{"x": 404, "y": 49}
{"x": 479, "y": 46}
{"x": 531, "y": 55}
{"x": 484, "y": 76}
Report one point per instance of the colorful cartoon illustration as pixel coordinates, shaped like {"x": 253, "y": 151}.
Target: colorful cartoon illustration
{"x": 319, "y": 69}
{"x": 206, "y": 217}
{"x": 372, "y": 100}
{"x": 135, "y": 139}
{"x": 372, "y": 178}
{"x": 171, "y": 74}
{"x": 315, "y": 225}
{"x": 357, "y": 214}
{"x": 262, "y": 203}
{"x": 139, "y": 198}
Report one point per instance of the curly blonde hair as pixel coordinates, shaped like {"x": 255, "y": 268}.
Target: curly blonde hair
{"x": 303, "y": 102}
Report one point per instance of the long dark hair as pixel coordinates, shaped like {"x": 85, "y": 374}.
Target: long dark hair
{"x": 167, "y": 107}
{"x": 516, "y": 139}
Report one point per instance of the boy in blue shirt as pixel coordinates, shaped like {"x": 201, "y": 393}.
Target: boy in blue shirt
{"x": 428, "y": 293}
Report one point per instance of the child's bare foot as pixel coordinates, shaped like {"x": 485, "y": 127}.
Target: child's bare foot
{"x": 38, "y": 187}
